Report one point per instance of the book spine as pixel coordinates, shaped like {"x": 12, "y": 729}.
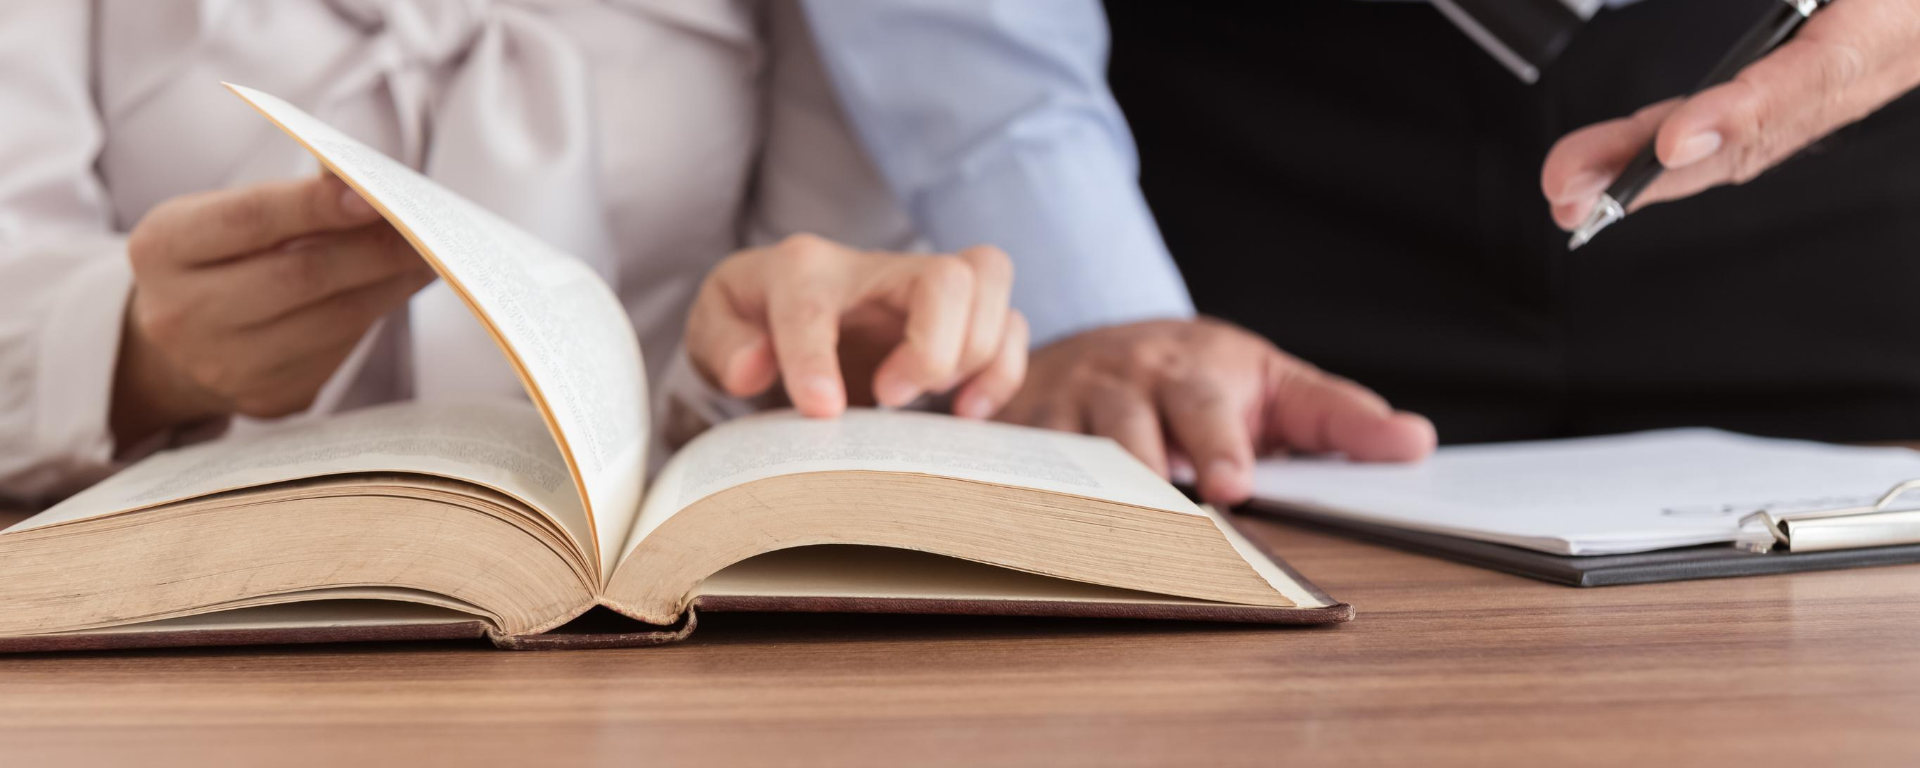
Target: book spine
{"x": 562, "y": 640}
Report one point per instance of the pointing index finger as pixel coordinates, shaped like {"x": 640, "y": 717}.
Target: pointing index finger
{"x": 1210, "y": 425}
{"x": 805, "y": 295}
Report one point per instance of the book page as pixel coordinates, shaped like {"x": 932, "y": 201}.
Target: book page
{"x": 556, "y": 320}
{"x": 786, "y": 443}
{"x": 853, "y": 571}
{"x": 353, "y": 611}
{"x": 502, "y": 445}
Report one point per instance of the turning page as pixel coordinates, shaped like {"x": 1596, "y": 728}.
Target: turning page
{"x": 558, "y": 323}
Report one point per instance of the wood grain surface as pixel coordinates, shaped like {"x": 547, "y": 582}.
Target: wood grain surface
{"x": 1446, "y": 665}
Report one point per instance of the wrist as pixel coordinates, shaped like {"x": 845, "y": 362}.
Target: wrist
{"x": 150, "y": 394}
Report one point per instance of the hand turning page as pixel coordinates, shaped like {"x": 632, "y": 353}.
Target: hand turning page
{"x": 564, "y": 331}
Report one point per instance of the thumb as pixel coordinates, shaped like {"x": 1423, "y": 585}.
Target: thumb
{"x": 1582, "y": 163}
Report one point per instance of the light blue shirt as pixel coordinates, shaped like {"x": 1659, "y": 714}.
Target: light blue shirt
{"x": 992, "y": 122}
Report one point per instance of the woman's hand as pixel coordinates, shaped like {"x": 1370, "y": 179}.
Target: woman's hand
{"x": 246, "y": 300}
{"x": 838, "y": 325}
{"x": 1848, "y": 60}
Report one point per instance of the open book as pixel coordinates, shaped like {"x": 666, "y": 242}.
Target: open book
{"x": 509, "y": 520}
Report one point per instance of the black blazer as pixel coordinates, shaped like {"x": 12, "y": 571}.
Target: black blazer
{"x": 1359, "y": 182}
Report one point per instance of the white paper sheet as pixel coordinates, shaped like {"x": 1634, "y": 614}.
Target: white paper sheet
{"x": 1595, "y": 496}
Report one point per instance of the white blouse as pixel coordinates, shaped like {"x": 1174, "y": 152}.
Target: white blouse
{"x": 649, "y": 137}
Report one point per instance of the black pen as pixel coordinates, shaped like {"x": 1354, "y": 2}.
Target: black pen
{"x": 1773, "y": 29}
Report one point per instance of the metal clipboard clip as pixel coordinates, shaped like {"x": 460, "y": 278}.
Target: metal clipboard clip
{"x": 1875, "y": 525}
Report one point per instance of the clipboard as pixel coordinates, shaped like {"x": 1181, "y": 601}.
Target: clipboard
{"x": 1878, "y": 534}
{"x": 1875, "y": 525}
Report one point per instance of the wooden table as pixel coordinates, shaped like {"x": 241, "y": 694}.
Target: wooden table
{"x": 1447, "y": 665}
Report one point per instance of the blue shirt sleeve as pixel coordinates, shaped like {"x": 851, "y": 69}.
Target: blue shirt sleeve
{"x": 992, "y": 122}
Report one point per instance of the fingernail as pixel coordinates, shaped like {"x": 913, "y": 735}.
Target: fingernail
{"x": 973, "y": 405}
{"x": 1586, "y": 186}
{"x": 894, "y": 392}
{"x": 1695, "y": 149}
{"x": 353, "y": 205}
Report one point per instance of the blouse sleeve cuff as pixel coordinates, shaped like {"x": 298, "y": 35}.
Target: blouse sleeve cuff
{"x": 78, "y": 349}
{"x": 78, "y": 354}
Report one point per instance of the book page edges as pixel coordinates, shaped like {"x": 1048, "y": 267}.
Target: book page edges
{"x": 1331, "y": 613}
{"x": 28, "y": 523}
{"x": 394, "y": 622}
{"x": 328, "y": 621}
{"x": 864, "y": 579}
{"x": 1270, "y": 566}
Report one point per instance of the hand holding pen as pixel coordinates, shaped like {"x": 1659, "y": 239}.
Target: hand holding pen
{"x": 1844, "y": 62}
